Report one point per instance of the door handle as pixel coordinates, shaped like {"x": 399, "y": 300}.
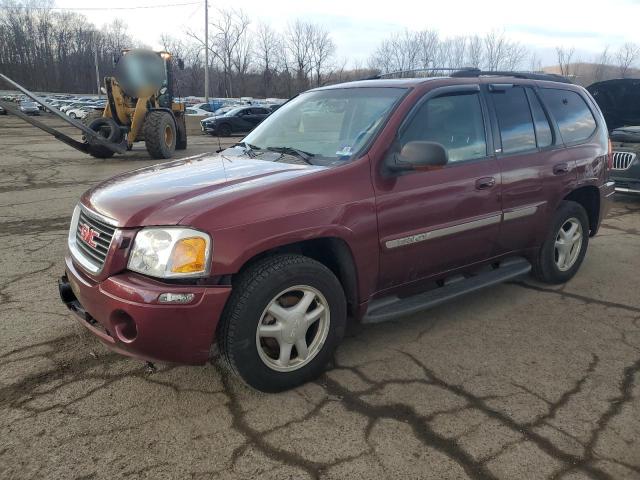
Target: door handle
{"x": 561, "y": 169}
{"x": 485, "y": 183}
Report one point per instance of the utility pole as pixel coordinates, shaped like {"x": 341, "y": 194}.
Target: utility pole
{"x": 206, "y": 51}
{"x": 95, "y": 60}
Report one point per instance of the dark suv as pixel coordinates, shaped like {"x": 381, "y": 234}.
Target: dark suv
{"x": 619, "y": 100}
{"x": 237, "y": 120}
{"x": 372, "y": 199}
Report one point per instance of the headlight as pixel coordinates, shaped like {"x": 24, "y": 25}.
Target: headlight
{"x": 170, "y": 252}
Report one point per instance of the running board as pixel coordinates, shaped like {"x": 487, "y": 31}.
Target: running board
{"x": 389, "y": 308}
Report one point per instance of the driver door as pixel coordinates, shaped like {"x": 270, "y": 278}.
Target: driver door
{"x": 434, "y": 221}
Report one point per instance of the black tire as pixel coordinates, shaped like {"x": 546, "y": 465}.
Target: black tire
{"x": 107, "y": 127}
{"x": 545, "y": 266}
{"x": 253, "y": 291}
{"x": 73, "y": 115}
{"x": 159, "y": 134}
{"x": 181, "y": 140}
{"x": 224, "y": 130}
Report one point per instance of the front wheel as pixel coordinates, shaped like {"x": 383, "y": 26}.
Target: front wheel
{"x": 286, "y": 316}
{"x": 564, "y": 249}
{"x": 159, "y": 131}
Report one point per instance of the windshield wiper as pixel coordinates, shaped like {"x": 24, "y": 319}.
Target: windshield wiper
{"x": 248, "y": 148}
{"x": 306, "y": 156}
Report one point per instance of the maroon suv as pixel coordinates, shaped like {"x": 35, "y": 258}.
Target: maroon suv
{"x": 372, "y": 199}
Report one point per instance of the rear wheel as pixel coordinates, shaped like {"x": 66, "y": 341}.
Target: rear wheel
{"x": 159, "y": 134}
{"x": 564, "y": 249}
{"x": 286, "y": 316}
{"x": 181, "y": 140}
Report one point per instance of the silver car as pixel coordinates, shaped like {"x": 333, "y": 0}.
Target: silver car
{"x": 30, "y": 108}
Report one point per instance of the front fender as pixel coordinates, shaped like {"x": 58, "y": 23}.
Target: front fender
{"x": 355, "y": 224}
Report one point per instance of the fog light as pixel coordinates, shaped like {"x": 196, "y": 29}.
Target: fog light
{"x": 175, "y": 297}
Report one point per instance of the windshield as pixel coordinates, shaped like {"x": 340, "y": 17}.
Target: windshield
{"x": 333, "y": 123}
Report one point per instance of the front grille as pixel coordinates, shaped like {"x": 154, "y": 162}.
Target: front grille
{"x": 95, "y": 242}
{"x": 623, "y": 160}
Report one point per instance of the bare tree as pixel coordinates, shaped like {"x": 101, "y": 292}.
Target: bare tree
{"x": 495, "y": 45}
{"x": 535, "y": 63}
{"x": 475, "y": 52}
{"x": 564, "y": 56}
{"x": 299, "y": 43}
{"x": 514, "y": 55}
{"x": 322, "y": 49}
{"x": 227, "y": 35}
{"x": 601, "y": 63}
{"x": 428, "y": 42}
{"x": 266, "y": 48}
{"x": 626, "y": 56}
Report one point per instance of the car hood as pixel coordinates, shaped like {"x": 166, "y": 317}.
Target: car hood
{"x": 164, "y": 194}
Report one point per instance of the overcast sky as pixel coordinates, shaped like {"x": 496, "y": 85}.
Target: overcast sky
{"x": 357, "y": 26}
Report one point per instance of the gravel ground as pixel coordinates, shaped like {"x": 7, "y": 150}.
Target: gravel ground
{"x": 520, "y": 381}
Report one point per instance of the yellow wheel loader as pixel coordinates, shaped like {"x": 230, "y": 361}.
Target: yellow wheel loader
{"x": 140, "y": 107}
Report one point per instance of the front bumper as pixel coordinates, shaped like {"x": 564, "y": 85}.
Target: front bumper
{"x": 123, "y": 312}
{"x": 627, "y": 184}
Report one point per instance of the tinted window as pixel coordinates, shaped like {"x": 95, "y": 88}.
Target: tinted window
{"x": 514, "y": 120}
{"x": 260, "y": 111}
{"x": 455, "y": 121}
{"x": 206, "y": 107}
{"x": 574, "y": 118}
{"x": 540, "y": 120}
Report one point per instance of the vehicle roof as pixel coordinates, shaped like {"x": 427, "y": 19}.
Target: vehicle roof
{"x": 413, "y": 82}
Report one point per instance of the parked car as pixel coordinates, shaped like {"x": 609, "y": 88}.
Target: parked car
{"x": 197, "y": 112}
{"x": 30, "y": 108}
{"x": 2, "y": 111}
{"x": 619, "y": 100}
{"x": 236, "y": 120}
{"x": 373, "y": 199}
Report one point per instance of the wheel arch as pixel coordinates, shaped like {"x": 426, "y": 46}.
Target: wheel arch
{"x": 333, "y": 252}
{"x": 589, "y": 197}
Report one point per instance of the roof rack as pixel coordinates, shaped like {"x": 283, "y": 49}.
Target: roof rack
{"x": 475, "y": 72}
{"x": 410, "y": 73}
{"x": 470, "y": 72}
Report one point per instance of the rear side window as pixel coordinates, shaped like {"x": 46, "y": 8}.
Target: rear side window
{"x": 544, "y": 136}
{"x": 574, "y": 118}
{"x": 455, "y": 121}
{"x": 514, "y": 120}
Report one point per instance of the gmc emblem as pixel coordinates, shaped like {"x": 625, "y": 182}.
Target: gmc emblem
{"x": 88, "y": 235}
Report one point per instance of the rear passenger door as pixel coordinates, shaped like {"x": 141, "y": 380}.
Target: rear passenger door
{"x": 533, "y": 167}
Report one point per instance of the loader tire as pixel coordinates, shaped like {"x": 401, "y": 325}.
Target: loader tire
{"x": 181, "y": 140}
{"x": 159, "y": 134}
{"x": 107, "y": 128}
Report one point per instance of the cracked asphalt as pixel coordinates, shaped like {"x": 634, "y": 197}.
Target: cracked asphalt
{"x": 520, "y": 381}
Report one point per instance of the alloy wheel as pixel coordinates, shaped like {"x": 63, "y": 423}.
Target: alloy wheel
{"x": 293, "y": 328}
{"x": 568, "y": 244}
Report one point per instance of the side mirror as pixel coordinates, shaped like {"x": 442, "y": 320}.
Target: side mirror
{"x": 180, "y": 64}
{"x": 420, "y": 155}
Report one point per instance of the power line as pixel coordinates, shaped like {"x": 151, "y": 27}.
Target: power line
{"x": 142, "y": 7}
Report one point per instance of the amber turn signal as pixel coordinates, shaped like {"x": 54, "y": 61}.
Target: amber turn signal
{"x": 189, "y": 255}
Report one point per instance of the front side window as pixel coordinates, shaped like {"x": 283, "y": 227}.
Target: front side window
{"x": 514, "y": 120}
{"x": 574, "y": 118}
{"x": 455, "y": 121}
{"x": 334, "y": 124}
